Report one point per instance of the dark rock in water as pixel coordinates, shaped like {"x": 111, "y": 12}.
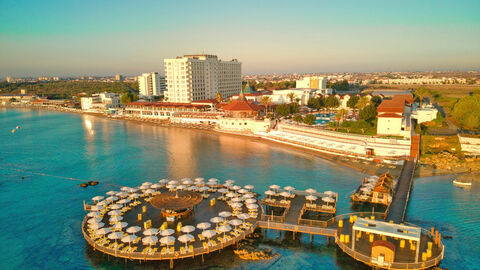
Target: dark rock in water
{"x": 93, "y": 183}
{"x": 447, "y": 237}
{"x": 84, "y": 185}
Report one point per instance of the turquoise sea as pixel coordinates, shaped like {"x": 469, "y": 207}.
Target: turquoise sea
{"x": 40, "y": 217}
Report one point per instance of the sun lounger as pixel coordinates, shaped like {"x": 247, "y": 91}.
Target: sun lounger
{"x": 190, "y": 248}
{"x": 201, "y": 237}
{"x": 125, "y": 249}
{"x": 136, "y": 240}
{"x": 132, "y": 249}
{"x": 205, "y": 245}
{"x": 152, "y": 251}
{"x": 164, "y": 251}
{"x": 182, "y": 250}
{"x": 145, "y": 250}
{"x": 172, "y": 250}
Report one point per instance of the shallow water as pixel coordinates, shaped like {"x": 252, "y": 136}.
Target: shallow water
{"x": 41, "y": 215}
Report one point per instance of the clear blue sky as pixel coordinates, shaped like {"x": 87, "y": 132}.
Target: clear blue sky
{"x": 103, "y": 37}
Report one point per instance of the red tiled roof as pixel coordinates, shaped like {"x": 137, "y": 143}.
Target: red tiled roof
{"x": 212, "y": 100}
{"x": 389, "y": 115}
{"x": 241, "y": 105}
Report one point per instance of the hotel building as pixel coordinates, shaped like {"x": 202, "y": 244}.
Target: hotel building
{"x": 151, "y": 84}
{"x": 200, "y": 77}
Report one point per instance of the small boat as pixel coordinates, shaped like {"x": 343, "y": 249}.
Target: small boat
{"x": 18, "y": 127}
{"x": 461, "y": 184}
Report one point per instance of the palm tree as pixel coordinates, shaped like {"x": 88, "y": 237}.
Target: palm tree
{"x": 341, "y": 114}
{"x": 362, "y": 102}
{"x": 291, "y": 96}
{"x": 421, "y": 93}
{"x": 219, "y": 97}
{"x": 266, "y": 101}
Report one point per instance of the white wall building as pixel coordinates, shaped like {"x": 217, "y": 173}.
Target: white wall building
{"x": 394, "y": 116}
{"x": 200, "y": 77}
{"x": 312, "y": 83}
{"x": 281, "y": 96}
{"x": 425, "y": 114}
{"x": 151, "y": 84}
{"x": 103, "y": 101}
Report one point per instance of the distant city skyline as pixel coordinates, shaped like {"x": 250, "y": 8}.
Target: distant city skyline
{"x": 71, "y": 38}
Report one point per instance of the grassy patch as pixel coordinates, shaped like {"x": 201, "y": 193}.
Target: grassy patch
{"x": 432, "y": 145}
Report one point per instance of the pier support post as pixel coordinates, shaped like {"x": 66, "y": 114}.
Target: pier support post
{"x": 171, "y": 263}
{"x": 311, "y": 238}
{"x": 293, "y": 235}
{"x": 202, "y": 259}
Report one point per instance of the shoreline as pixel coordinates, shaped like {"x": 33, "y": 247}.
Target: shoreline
{"x": 362, "y": 166}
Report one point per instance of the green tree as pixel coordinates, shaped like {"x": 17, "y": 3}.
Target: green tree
{"x": 341, "y": 85}
{"x": 467, "y": 112}
{"x": 266, "y": 101}
{"x": 309, "y": 119}
{"x": 331, "y": 102}
{"x": 313, "y": 103}
{"x": 298, "y": 118}
{"x": 294, "y": 108}
{"x": 291, "y": 96}
{"x": 376, "y": 100}
{"x": 341, "y": 114}
{"x": 362, "y": 103}
{"x": 353, "y": 101}
{"x": 128, "y": 97}
{"x": 421, "y": 92}
{"x": 369, "y": 113}
{"x": 282, "y": 110}
{"x": 218, "y": 97}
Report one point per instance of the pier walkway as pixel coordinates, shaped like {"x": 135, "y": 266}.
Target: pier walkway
{"x": 398, "y": 207}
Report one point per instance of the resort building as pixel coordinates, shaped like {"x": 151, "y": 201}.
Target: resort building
{"x": 425, "y": 114}
{"x": 302, "y": 95}
{"x": 199, "y": 77}
{"x": 312, "y": 83}
{"x": 161, "y": 110}
{"x": 22, "y": 98}
{"x": 394, "y": 116}
{"x": 151, "y": 84}
{"x": 242, "y": 116}
{"x": 100, "y": 102}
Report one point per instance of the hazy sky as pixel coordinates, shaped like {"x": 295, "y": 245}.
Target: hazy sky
{"x": 103, "y": 37}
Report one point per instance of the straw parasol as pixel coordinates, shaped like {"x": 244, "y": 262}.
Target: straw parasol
{"x": 111, "y": 192}
{"x": 96, "y": 226}
{"x": 133, "y": 229}
{"x": 181, "y": 187}
{"x": 115, "y": 236}
{"x": 270, "y": 192}
{"x": 172, "y": 182}
{"x": 216, "y": 220}
{"x": 199, "y": 179}
{"x": 120, "y": 225}
{"x": 235, "y": 222}
{"x": 229, "y": 181}
{"x": 146, "y": 184}
{"x": 103, "y": 231}
{"x": 167, "y": 232}
{"x": 163, "y": 181}
{"x": 236, "y": 199}
{"x": 289, "y": 188}
{"x": 115, "y": 213}
{"x": 224, "y": 214}
{"x": 115, "y": 206}
{"x": 187, "y": 229}
{"x": 285, "y": 194}
{"x": 121, "y": 194}
{"x": 129, "y": 238}
{"x": 311, "y": 191}
{"x": 116, "y": 218}
{"x": 209, "y": 233}
{"x": 96, "y": 208}
{"x": 155, "y": 186}
{"x": 94, "y": 220}
{"x": 224, "y": 229}
{"x": 94, "y": 214}
{"x": 249, "y": 201}
{"x": 203, "y": 225}
{"x": 329, "y": 193}
{"x": 247, "y": 196}
{"x": 185, "y": 238}
{"x": 311, "y": 197}
{"x": 236, "y": 187}
{"x": 125, "y": 189}
{"x": 328, "y": 200}
{"x": 97, "y": 198}
{"x": 249, "y": 187}
{"x": 151, "y": 231}
{"x": 243, "y": 216}
{"x": 187, "y": 181}
{"x": 222, "y": 190}
{"x": 150, "y": 240}
{"x": 103, "y": 203}
{"x": 236, "y": 205}
{"x": 252, "y": 206}
{"x": 274, "y": 187}
{"x": 231, "y": 194}
{"x": 167, "y": 240}
{"x": 242, "y": 191}
{"x": 111, "y": 198}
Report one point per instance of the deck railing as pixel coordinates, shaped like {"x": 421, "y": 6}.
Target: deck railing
{"x": 137, "y": 255}
{"x": 296, "y": 228}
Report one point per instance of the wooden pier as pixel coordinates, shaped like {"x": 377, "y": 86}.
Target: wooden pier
{"x": 398, "y": 207}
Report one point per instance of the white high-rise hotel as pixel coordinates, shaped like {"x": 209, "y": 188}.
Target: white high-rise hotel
{"x": 151, "y": 84}
{"x": 199, "y": 77}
